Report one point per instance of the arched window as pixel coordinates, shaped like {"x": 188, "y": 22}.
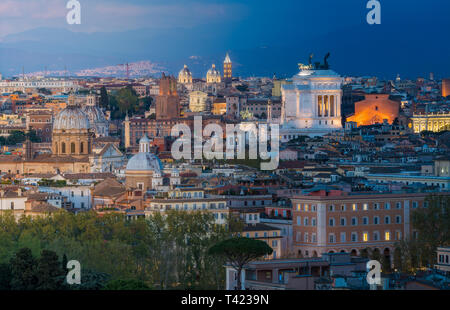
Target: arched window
{"x": 72, "y": 148}
{"x": 82, "y": 147}
{"x": 63, "y": 148}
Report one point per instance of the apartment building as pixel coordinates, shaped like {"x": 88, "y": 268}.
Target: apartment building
{"x": 338, "y": 222}
{"x": 189, "y": 199}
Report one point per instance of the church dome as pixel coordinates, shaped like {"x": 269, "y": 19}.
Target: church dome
{"x": 213, "y": 71}
{"x": 71, "y": 118}
{"x": 144, "y": 160}
{"x": 185, "y": 75}
{"x": 94, "y": 114}
{"x": 213, "y": 75}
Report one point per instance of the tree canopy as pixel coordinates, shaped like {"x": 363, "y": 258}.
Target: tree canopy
{"x": 239, "y": 251}
{"x": 167, "y": 251}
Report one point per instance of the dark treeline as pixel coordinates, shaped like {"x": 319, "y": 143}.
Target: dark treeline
{"x": 159, "y": 252}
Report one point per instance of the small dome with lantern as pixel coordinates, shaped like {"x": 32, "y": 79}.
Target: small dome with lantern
{"x": 213, "y": 75}
{"x": 185, "y": 76}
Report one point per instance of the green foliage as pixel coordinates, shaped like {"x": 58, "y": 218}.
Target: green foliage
{"x": 52, "y": 183}
{"x": 239, "y": 251}
{"x": 242, "y": 88}
{"x": 49, "y": 272}
{"x": 126, "y": 101}
{"x": 166, "y": 252}
{"x": 18, "y": 136}
{"x": 104, "y": 98}
{"x": 126, "y": 285}
{"x": 433, "y": 226}
{"x": 23, "y": 275}
{"x": 5, "y": 277}
{"x": 44, "y": 91}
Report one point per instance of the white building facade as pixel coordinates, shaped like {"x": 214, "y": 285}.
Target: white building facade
{"x": 311, "y": 105}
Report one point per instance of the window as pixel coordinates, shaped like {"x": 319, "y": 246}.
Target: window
{"x": 343, "y": 208}
{"x": 306, "y": 237}
{"x": 274, "y": 243}
{"x": 354, "y": 237}
{"x": 299, "y": 221}
{"x": 343, "y": 237}
{"x": 299, "y": 207}
{"x": 354, "y": 221}
{"x": 305, "y": 222}
{"x": 365, "y": 237}
{"x": 387, "y": 205}
{"x": 256, "y": 235}
{"x": 365, "y": 207}
{"x": 365, "y": 220}
{"x": 82, "y": 205}
{"x": 331, "y": 208}
{"x": 387, "y": 236}
{"x": 343, "y": 221}
{"x": 387, "y": 219}
{"x": 331, "y": 222}
{"x": 306, "y": 208}
{"x": 398, "y": 219}
{"x": 376, "y": 220}
{"x": 376, "y": 236}
{"x": 72, "y": 148}
{"x": 314, "y": 238}
{"x": 398, "y": 235}
{"x": 12, "y": 205}
{"x": 313, "y": 222}
{"x": 331, "y": 238}
{"x": 376, "y": 206}
{"x": 398, "y": 205}
{"x": 415, "y": 204}
{"x": 354, "y": 207}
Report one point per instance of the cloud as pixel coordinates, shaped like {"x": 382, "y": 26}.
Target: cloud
{"x": 112, "y": 15}
{"x": 32, "y": 9}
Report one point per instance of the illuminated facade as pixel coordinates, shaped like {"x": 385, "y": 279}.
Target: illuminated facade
{"x": 374, "y": 109}
{"x": 445, "y": 87}
{"x": 72, "y": 135}
{"x": 430, "y": 122}
{"x": 213, "y": 75}
{"x": 185, "y": 76}
{"x": 227, "y": 69}
{"x": 197, "y": 101}
{"x": 334, "y": 222}
{"x": 311, "y": 105}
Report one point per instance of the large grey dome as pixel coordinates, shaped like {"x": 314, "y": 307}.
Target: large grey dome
{"x": 94, "y": 114}
{"x": 145, "y": 162}
{"x": 71, "y": 117}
